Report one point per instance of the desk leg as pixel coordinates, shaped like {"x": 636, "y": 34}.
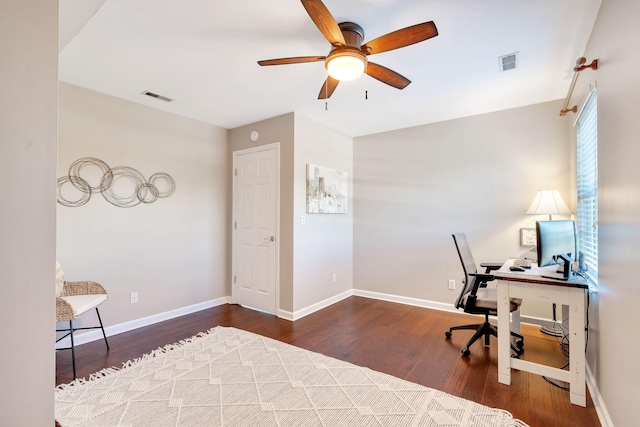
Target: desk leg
{"x": 504, "y": 337}
{"x": 578, "y": 395}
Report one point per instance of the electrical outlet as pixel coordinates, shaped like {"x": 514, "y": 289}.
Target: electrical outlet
{"x": 134, "y": 297}
{"x": 452, "y": 284}
{"x": 303, "y": 220}
{"x": 334, "y": 278}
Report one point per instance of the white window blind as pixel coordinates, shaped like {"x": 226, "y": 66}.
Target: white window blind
{"x": 587, "y": 183}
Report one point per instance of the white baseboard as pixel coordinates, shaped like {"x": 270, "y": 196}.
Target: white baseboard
{"x": 596, "y": 397}
{"x": 405, "y": 300}
{"x": 288, "y": 315}
{"x": 435, "y": 305}
{"x": 88, "y": 336}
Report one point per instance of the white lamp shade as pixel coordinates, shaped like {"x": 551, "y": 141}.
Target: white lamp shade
{"x": 345, "y": 67}
{"x": 548, "y": 202}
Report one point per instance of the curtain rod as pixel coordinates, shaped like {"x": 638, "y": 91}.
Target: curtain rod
{"x": 579, "y": 67}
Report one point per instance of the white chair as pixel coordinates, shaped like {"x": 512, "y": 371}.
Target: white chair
{"x": 73, "y": 299}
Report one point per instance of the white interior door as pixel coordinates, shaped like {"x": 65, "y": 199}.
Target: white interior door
{"x": 255, "y": 234}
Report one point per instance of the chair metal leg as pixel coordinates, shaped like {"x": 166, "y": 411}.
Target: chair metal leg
{"x": 102, "y": 327}
{"x": 473, "y": 327}
{"x": 73, "y": 352}
{"x": 485, "y": 330}
{"x": 69, "y": 333}
{"x": 487, "y": 336}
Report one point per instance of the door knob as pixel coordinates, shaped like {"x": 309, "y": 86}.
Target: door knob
{"x": 271, "y": 239}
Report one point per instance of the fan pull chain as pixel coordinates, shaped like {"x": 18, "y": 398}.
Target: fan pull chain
{"x": 326, "y": 92}
{"x": 366, "y": 86}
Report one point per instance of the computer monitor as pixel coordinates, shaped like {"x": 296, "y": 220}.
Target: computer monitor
{"x": 557, "y": 243}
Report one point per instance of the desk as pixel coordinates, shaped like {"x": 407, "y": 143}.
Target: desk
{"x": 531, "y": 285}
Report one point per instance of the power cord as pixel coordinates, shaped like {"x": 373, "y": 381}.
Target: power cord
{"x": 564, "y": 342}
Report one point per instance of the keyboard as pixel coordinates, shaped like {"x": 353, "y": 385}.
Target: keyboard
{"x": 522, "y": 262}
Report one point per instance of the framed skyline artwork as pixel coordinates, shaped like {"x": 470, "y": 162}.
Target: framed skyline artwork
{"x": 326, "y": 190}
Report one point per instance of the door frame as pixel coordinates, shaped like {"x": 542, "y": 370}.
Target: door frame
{"x": 236, "y": 155}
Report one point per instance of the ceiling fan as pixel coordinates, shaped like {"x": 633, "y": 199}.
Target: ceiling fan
{"x": 347, "y": 59}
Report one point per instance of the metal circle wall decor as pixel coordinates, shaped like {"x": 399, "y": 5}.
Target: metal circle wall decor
{"x": 122, "y": 186}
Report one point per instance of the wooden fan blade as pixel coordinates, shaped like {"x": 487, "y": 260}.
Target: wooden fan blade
{"x": 401, "y": 38}
{"x": 325, "y": 22}
{"x": 387, "y": 76}
{"x": 328, "y": 87}
{"x": 294, "y": 60}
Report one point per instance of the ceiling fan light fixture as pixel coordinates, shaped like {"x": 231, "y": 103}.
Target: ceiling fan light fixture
{"x": 346, "y": 66}
{"x": 347, "y": 59}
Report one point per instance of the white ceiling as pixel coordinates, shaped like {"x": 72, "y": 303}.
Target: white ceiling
{"x": 203, "y": 53}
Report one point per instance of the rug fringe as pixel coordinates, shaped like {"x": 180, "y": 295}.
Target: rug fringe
{"x": 101, "y": 375}
{"x": 515, "y": 422}
{"x": 162, "y": 350}
{"x": 93, "y": 377}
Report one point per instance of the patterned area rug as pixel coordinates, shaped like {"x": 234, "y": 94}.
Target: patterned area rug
{"x": 230, "y": 377}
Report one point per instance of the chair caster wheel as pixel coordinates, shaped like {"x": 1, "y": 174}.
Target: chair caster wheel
{"x": 447, "y": 334}
{"x": 465, "y": 352}
{"x": 520, "y": 344}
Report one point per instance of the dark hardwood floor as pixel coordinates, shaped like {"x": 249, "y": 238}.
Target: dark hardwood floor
{"x": 405, "y": 341}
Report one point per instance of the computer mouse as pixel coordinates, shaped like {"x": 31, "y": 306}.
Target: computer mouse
{"x": 516, "y": 268}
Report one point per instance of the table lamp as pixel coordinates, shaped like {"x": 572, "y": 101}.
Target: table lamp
{"x": 549, "y": 202}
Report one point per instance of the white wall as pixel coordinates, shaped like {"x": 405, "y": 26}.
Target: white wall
{"x": 323, "y": 246}
{"x": 309, "y": 254}
{"x": 478, "y": 175}
{"x": 173, "y": 252}
{"x": 614, "y": 332}
{"x": 28, "y": 103}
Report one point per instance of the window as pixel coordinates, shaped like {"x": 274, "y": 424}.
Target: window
{"x": 587, "y": 183}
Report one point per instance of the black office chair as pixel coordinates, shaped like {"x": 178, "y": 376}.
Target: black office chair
{"x": 476, "y": 298}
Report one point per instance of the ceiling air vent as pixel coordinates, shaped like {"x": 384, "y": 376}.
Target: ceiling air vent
{"x": 508, "y": 62}
{"x": 155, "y": 95}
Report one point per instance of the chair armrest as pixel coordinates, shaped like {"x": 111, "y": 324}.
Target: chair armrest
{"x": 491, "y": 266}
{"x": 482, "y": 277}
{"x": 481, "y": 281}
{"x": 82, "y": 288}
{"x": 64, "y": 311}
